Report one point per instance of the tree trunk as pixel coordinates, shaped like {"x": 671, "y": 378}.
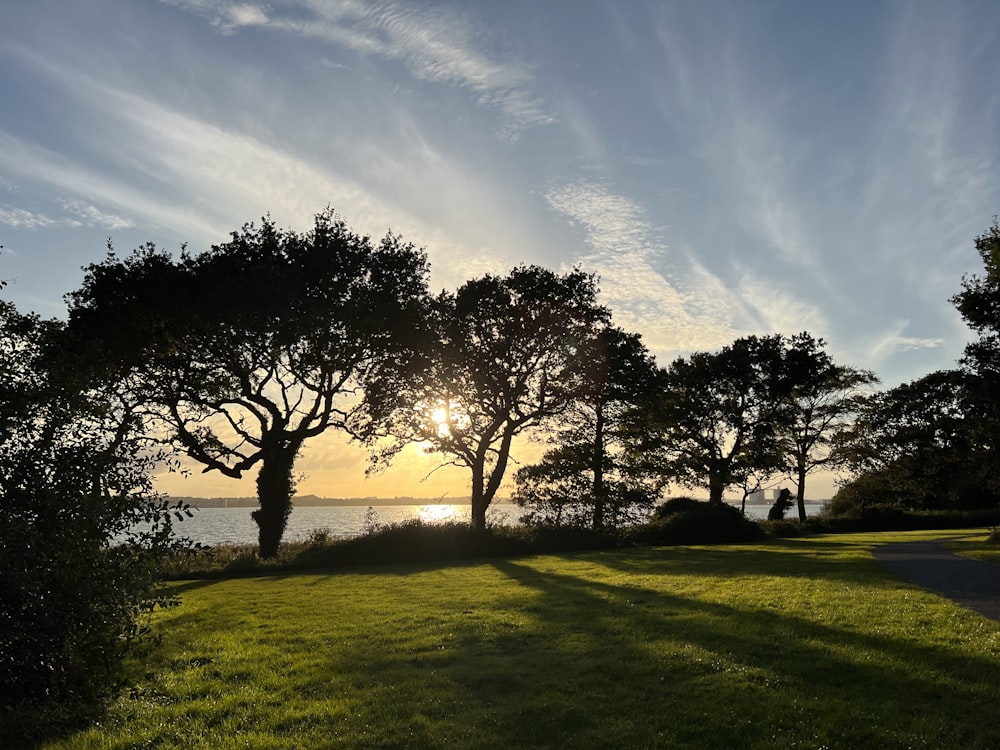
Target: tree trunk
{"x": 800, "y": 493}
{"x": 599, "y": 490}
{"x": 479, "y": 501}
{"x": 274, "y": 492}
{"x": 715, "y": 489}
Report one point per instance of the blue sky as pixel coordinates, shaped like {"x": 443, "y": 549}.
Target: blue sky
{"x": 727, "y": 168}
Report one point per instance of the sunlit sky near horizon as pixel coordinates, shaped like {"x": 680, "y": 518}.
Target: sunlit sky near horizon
{"x": 727, "y": 168}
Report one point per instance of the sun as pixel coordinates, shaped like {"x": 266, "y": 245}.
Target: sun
{"x": 448, "y": 417}
{"x": 441, "y": 418}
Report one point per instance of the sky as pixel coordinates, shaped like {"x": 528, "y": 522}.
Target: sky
{"x": 726, "y": 167}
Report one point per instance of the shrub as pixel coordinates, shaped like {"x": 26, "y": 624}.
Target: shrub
{"x": 687, "y": 521}
{"x": 678, "y": 505}
{"x": 77, "y": 573}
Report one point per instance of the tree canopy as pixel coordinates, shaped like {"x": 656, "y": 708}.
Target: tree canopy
{"x": 979, "y": 305}
{"x": 506, "y": 358}
{"x": 718, "y": 415}
{"x": 912, "y": 445}
{"x": 586, "y": 476}
{"x": 821, "y": 402}
{"x": 245, "y": 351}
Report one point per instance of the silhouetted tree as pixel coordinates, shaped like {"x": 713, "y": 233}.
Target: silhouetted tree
{"x": 586, "y": 476}
{"x": 718, "y": 415}
{"x": 506, "y": 360}
{"x": 979, "y": 305}
{"x": 76, "y": 572}
{"x": 822, "y": 399}
{"x": 244, "y": 352}
{"x": 911, "y": 445}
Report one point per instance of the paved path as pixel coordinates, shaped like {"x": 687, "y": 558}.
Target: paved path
{"x": 972, "y": 583}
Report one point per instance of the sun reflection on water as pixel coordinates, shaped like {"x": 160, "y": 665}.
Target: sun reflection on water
{"x": 437, "y": 513}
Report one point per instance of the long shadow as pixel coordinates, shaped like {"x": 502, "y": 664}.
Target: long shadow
{"x": 671, "y": 654}
{"x": 811, "y": 659}
{"x": 780, "y": 558}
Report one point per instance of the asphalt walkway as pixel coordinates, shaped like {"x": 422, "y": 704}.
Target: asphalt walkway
{"x": 972, "y": 583}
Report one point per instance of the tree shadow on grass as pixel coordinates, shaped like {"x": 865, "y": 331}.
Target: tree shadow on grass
{"x": 672, "y": 653}
{"x": 813, "y": 558}
{"x": 590, "y": 649}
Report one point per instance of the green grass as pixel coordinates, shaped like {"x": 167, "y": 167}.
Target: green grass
{"x": 981, "y": 546}
{"x": 802, "y": 642}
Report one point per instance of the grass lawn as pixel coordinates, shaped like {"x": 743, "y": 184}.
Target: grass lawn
{"x": 977, "y": 546}
{"x": 803, "y": 643}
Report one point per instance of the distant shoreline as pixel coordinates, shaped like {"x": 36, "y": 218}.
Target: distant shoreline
{"x": 314, "y": 501}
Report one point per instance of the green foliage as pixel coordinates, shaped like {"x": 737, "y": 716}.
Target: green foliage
{"x": 875, "y": 488}
{"x": 384, "y": 544}
{"x": 559, "y": 491}
{"x": 686, "y": 521}
{"x": 77, "y": 571}
{"x": 979, "y": 304}
{"x": 718, "y": 416}
{"x": 822, "y": 400}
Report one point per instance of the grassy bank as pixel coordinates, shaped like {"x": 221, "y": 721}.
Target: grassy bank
{"x": 801, "y": 642}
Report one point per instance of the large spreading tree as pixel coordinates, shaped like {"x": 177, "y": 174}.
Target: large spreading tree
{"x": 242, "y": 353}
{"x": 506, "y": 359}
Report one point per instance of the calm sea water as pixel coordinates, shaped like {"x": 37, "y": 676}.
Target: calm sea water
{"x": 235, "y": 526}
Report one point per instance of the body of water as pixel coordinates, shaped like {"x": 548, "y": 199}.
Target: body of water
{"x": 235, "y": 526}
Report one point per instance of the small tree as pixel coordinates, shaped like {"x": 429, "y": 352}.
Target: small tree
{"x": 587, "y": 477}
{"x": 244, "y": 352}
{"x": 822, "y": 399}
{"x": 505, "y": 361}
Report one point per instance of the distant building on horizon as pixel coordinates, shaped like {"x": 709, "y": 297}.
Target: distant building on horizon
{"x": 762, "y": 497}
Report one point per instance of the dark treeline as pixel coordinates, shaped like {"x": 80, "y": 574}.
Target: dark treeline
{"x": 236, "y": 356}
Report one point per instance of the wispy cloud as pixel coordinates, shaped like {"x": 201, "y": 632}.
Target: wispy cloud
{"x": 680, "y": 311}
{"x": 20, "y": 218}
{"x": 780, "y": 310}
{"x": 88, "y": 215}
{"x": 78, "y": 213}
{"x": 893, "y": 341}
{"x": 199, "y": 180}
{"x": 440, "y": 45}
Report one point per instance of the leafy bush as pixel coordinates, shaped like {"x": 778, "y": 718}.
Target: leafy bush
{"x": 678, "y": 505}
{"x": 883, "y": 518}
{"x": 687, "y": 521}
{"x": 77, "y": 573}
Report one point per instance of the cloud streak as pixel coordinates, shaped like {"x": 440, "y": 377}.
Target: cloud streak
{"x": 678, "y": 311}
{"x": 436, "y": 44}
